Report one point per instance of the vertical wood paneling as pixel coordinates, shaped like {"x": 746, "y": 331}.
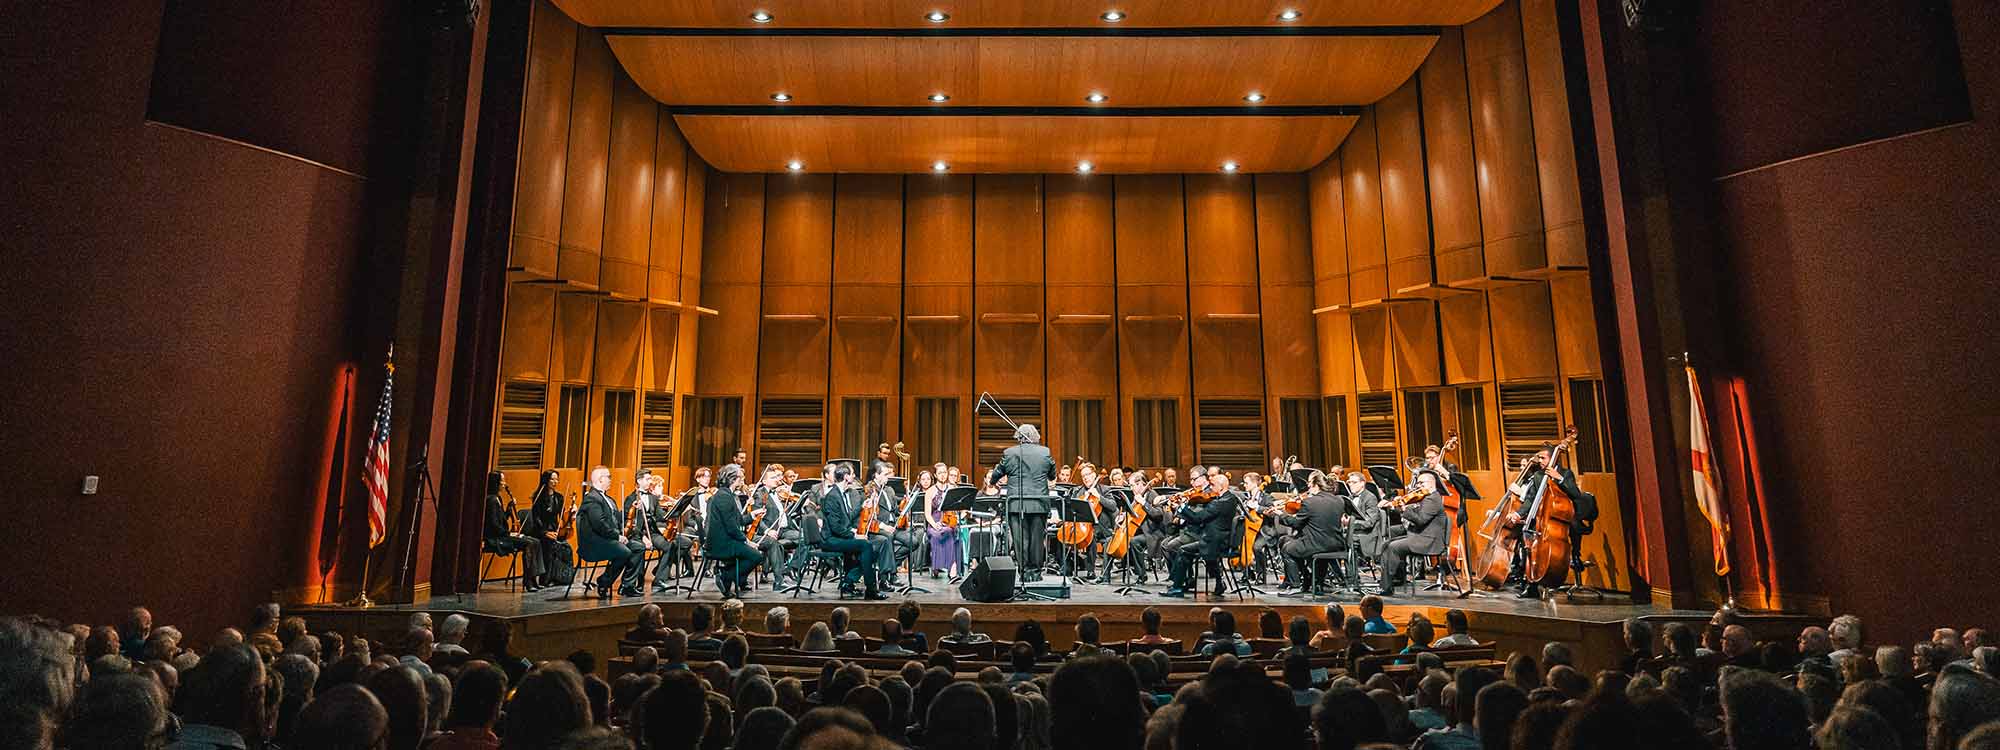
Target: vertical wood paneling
{"x": 1374, "y": 360}
{"x": 574, "y": 345}
{"x": 732, "y": 268}
{"x": 1406, "y": 228}
{"x": 694, "y": 209}
{"x": 1149, "y": 224}
{"x": 868, "y": 292}
{"x": 670, "y": 197}
{"x": 937, "y": 281}
{"x": 1361, "y": 197}
{"x": 1007, "y": 273}
{"x": 619, "y": 333}
{"x": 1523, "y": 338}
{"x": 1455, "y": 233}
{"x": 1414, "y": 326}
{"x": 1329, "y": 268}
{"x": 1467, "y": 340}
{"x": 1222, "y": 280}
{"x": 1503, "y": 138}
{"x": 524, "y": 338}
{"x": 659, "y": 357}
{"x": 589, "y": 148}
{"x": 1555, "y": 152}
{"x": 1285, "y": 288}
{"x": 628, "y": 190}
{"x": 1575, "y": 325}
{"x": 544, "y": 150}
{"x": 1081, "y": 273}
{"x": 798, "y": 279}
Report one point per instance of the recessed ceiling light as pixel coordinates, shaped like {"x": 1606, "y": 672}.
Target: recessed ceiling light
{"x": 781, "y": 97}
{"x": 938, "y": 166}
{"x": 937, "y": 16}
{"x": 1113, "y": 16}
{"x": 1083, "y": 166}
{"x": 1289, "y": 14}
{"x": 940, "y": 97}
{"x": 1229, "y": 166}
{"x": 760, "y": 17}
{"x": 795, "y": 165}
{"x": 1253, "y": 97}
{"x": 1095, "y": 97}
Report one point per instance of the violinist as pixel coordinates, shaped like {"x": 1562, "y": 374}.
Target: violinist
{"x": 776, "y": 531}
{"x": 839, "y": 507}
{"x": 1535, "y": 477}
{"x": 544, "y": 519}
{"x": 725, "y": 544}
{"x": 1210, "y": 524}
{"x": 500, "y": 537}
{"x": 942, "y": 539}
{"x": 1429, "y": 529}
{"x": 912, "y": 524}
{"x": 888, "y": 546}
{"x": 1179, "y": 536}
{"x": 1151, "y": 532}
{"x": 643, "y": 516}
{"x": 1256, "y": 500}
{"x": 1368, "y": 529}
{"x": 694, "y": 517}
{"x": 1318, "y": 531}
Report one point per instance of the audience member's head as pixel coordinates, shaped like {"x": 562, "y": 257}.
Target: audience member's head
{"x": 735, "y": 651}
{"x": 763, "y": 728}
{"x": 826, "y": 728}
{"x": 477, "y": 695}
{"x": 961, "y": 621}
{"x": 1571, "y": 682}
{"x": 777, "y": 621}
{"x": 1346, "y": 718}
{"x": 1495, "y": 709}
{"x": 1537, "y": 725}
{"x": 117, "y": 711}
{"x": 1761, "y": 713}
{"x": 226, "y": 690}
{"x": 1557, "y": 652}
{"x": 1094, "y": 704}
{"x": 819, "y": 638}
{"x": 347, "y": 717}
{"x": 1421, "y": 631}
{"x": 732, "y": 614}
{"x": 872, "y": 703}
{"x": 1087, "y": 627}
{"x": 548, "y": 704}
{"x": 1270, "y": 624}
{"x": 1961, "y": 701}
{"x": 836, "y": 621}
{"x": 401, "y": 691}
{"x": 1638, "y": 634}
{"x": 1354, "y": 628}
{"x": 961, "y": 718}
{"x": 1893, "y": 661}
{"x": 37, "y": 682}
{"x": 1521, "y": 671}
{"x": 1030, "y": 632}
{"x": 1856, "y": 728}
{"x": 908, "y": 613}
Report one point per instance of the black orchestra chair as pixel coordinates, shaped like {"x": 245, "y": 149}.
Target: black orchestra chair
{"x": 513, "y": 576}
{"x": 818, "y": 561}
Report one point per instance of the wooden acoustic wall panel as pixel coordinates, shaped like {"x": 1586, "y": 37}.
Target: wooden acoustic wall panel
{"x": 1374, "y": 357}
{"x": 670, "y": 210}
{"x": 937, "y": 296}
{"x": 1523, "y": 332}
{"x": 867, "y": 296}
{"x": 1361, "y": 196}
{"x": 1329, "y": 268}
{"x": 732, "y": 269}
{"x": 628, "y": 190}
{"x": 987, "y": 144}
{"x": 574, "y": 344}
{"x": 524, "y": 338}
{"x": 1503, "y": 138}
{"x": 694, "y": 212}
{"x": 1285, "y": 296}
{"x": 1455, "y": 234}
{"x": 1149, "y": 226}
{"x": 1222, "y": 286}
{"x": 620, "y": 337}
{"x": 656, "y": 368}
{"x": 1414, "y": 326}
{"x": 1081, "y": 293}
{"x": 792, "y": 347}
{"x": 1575, "y": 325}
{"x": 1555, "y": 152}
{"x": 1466, "y": 339}
{"x": 1020, "y": 71}
{"x": 544, "y": 149}
{"x": 589, "y": 153}
{"x": 1406, "y": 221}
{"x": 1007, "y": 285}
{"x": 1014, "y": 13}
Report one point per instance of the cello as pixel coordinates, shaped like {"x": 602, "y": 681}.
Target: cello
{"x": 1080, "y": 534}
{"x": 1504, "y": 537}
{"x": 1133, "y": 520}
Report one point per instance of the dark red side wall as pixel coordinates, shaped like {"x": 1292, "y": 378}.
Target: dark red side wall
{"x": 175, "y": 308}
{"x": 1861, "y": 303}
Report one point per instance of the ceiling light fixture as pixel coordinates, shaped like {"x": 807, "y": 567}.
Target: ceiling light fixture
{"x": 938, "y": 166}
{"x": 1229, "y": 166}
{"x": 937, "y": 16}
{"x": 1253, "y": 97}
{"x": 1113, "y": 16}
{"x": 1289, "y": 14}
{"x": 940, "y": 97}
{"x": 1083, "y": 167}
{"x": 781, "y": 97}
{"x": 761, "y": 17}
{"x": 795, "y": 165}
{"x": 1095, "y": 97}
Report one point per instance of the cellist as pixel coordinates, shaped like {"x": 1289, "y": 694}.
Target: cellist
{"x": 1535, "y": 479}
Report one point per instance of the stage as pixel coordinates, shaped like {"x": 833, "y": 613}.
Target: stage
{"x": 546, "y": 625}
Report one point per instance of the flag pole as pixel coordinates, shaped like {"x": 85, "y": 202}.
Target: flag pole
{"x": 361, "y": 599}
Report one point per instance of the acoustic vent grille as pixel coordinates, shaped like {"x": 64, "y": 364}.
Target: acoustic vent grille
{"x": 1529, "y": 416}
{"x": 1375, "y": 416}
{"x": 1156, "y": 431}
{"x": 995, "y": 437}
{"x": 656, "y": 431}
{"x": 1302, "y": 430}
{"x": 524, "y": 407}
{"x": 791, "y": 431}
{"x": 1229, "y": 432}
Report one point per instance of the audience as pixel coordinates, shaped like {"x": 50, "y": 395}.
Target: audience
{"x": 1371, "y": 615}
{"x": 137, "y": 685}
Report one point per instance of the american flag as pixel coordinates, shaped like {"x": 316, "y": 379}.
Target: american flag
{"x": 375, "y": 468}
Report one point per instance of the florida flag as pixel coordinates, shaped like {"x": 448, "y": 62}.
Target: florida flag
{"x": 1707, "y": 482}
{"x": 375, "y": 468}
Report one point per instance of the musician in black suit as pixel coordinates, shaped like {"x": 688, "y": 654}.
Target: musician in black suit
{"x": 1027, "y": 467}
{"x": 898, "y": 543}
{"x": 644, "y": 514}
{"x": 1530, "y": 489}
{"x": 1211, "y": 524}
{"x": 501, "y": 539}
{"x": 1318, "y": 530}
{"x": 1369, "y": 529}
{"x": 1151, "y": 531}
{"x": 545, "y": 512}
{"x": 839, "y": 509}
{"x": 778, "y": 532}
{"x": 597, "y": 534}
{"x": 1429, "y": 531}
{"x": 725, "y": 543}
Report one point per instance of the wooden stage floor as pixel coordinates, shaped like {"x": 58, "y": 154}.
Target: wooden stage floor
{"x": 545, "y": 625}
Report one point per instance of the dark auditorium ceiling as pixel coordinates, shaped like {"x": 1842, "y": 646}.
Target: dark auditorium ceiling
{"x": 1179, "y": 85}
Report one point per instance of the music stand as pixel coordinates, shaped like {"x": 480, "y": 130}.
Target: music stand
{"x": 680, "y": 506}
{"x": 1299, "y": 477}
{"x": 1076, "y": 507}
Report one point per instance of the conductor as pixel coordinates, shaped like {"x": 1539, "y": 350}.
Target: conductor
{"x": 1027, "y": 467}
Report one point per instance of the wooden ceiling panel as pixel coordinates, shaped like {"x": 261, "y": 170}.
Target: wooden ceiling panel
{"x": 1113, "y": 145}
{"x": 1021, "y": 71}
{"x": 1019, "y": 13}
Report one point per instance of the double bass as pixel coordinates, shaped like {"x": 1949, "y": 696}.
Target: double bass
{"x": 1503, "y": 537}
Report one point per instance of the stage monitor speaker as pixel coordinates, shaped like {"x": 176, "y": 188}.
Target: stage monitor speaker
{"x": 992, "y": 580}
